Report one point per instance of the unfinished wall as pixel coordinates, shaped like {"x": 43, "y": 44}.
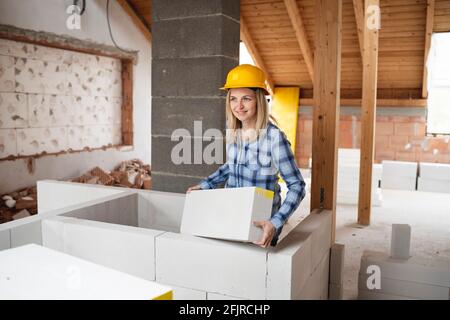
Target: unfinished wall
{"x": 400, "y": 134}
{"x": 50, "y": 16}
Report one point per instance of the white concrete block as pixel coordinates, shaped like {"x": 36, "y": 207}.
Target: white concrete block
{"x": 39, "y": 109}
{"x": 400, "y": 241}
{"x": 8, "y": 143}
{"x": 160, "y": 210}
{"x": 29, "y": 141}
{"x": 30, "y": 76}
{"x": 53, "y": 232}
{"x": 410, "y": 289}
{"x": 289, "y": 266}
{"x": 217, "y": 296}
{"x": 123, "y": 248}
{"x": 438, "y": 171}
{"x": 370, "y": 295}
{"x": 336, "y": 292}
{"x": 58, "y": 194}
{"x": 337, "y": 257}
{"x": 319, "y": 226}
{"x": 226, "y": 213}
{"x": 180, "y": 293}
{"x": 5, "y": 239}
{"x": 233, "y": 269}
{"x": 398, "y": 182}
{"x": 13, "y": 110}
{"x": 36, "y": 272}
{"x": 427, "y": 271}
{"x": 399, "y": 169}
{"x": 318, "y": 280}
{"x": 433, "y": 185}
{"x": 121, "y": 210}
{"x": 26, "y": 233}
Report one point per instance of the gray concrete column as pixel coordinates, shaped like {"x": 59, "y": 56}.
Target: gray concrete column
{"x": 194, "y": 44}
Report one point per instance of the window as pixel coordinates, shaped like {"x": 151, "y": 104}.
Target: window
{"x": 439, "y": 84}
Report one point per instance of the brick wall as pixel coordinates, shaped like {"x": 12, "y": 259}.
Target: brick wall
{"x": 397, "y": 138}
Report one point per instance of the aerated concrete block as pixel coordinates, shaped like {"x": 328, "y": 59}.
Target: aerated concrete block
{"x": 400, "y": 241}
{"x": 289, "y": 266}
{"x": 234, "y": 269}
{"x": 217, "y": 296}
{"x": 123, "y": 248}
{"x": 426, "y": 271}
{"x": 337, "y": 256}
{"x": 5, "y": 239}
{"x": 398, "y": 183}
{"x": 399, "y": 169}
{"x": 433, "y": 185}
{"x": 316, "y": 287}
{"x": 437, "y": 171}
{"x": 319, "y": 226}
{"x": 226, "y": 213}
{"x": 180, "y": 293}
{"x": 26, "y": 233}
{"x": 410, "y": 289}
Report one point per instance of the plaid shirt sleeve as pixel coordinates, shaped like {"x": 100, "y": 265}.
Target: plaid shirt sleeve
{"x": 219, "y": 176}
{"x": 285, "y": 162}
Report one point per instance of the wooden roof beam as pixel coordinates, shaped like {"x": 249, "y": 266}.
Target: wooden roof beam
{"x": 358, "y": 8}
{"x": 137, "y": 20}
{"x": 428, "y": 33}
{"x": 300, "y": 33}
{"x": 251, "y": 47}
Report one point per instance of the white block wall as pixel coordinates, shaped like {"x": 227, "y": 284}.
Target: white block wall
{"x": 5, "y": 239}
{"x": 433, "y": 185}
{"x": 58, "y": 194}
{"x": 215, "y": 266}
{"x": 127, "y": 249}
{"x": 437, "y": 171}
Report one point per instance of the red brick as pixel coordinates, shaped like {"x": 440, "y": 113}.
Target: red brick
{"x": 405, "y": 156}
{"x": 303, "y": 162}
{"x": 384, "y": 128}
{"x": 444, "y": 158}
{"x": 381, "y": 142}
{"x": 383, "y": 119}
{"x": 399, "y": 142}
{"x": 437, "y": 143}
{"x": 409, "y": 129}
{"x": 345, "y": 140}
{"x": 427, "y": 157}
{"x": 384, "y": 154}
{"x": 400, "y": 119}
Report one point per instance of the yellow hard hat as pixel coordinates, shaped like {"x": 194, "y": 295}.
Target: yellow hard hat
{"x": 246, "y": 76}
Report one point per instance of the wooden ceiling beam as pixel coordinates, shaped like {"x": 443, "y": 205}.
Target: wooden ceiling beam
{"x": 251, "y": 47}
{"x": 300, "y": 33}
{"x": 358, "y": 8}
{"x": 428, "y": 33}
{"x": 137, "y": 20}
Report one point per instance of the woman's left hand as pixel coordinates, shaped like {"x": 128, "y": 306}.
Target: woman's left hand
{"x": 268, "y": 232}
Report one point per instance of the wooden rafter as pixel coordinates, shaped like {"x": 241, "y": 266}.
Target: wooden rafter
{"x": 300, "y": 33}
{"x": 358, "y": 8}
{"x": 137, "y": 20}
{"x": 247, "y": 39}
{"x": 428, "y": 33}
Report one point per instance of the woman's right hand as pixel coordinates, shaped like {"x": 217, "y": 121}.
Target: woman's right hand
{"x": 193, "y": 188}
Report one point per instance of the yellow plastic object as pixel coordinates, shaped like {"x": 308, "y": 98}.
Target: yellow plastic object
{"x": 246, "y": 76}
{"x": 165, "y": 296}
{"x": 265, "y": 193}
{"x": 285, "y": 111}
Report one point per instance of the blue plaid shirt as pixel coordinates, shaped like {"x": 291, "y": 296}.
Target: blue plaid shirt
{"x": 257, "y": 164}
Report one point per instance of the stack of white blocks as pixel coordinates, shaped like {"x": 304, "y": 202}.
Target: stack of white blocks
{"x": 434, "y": 177}
{"x": 400, "y": 276}
{"x": 337, "y": 271}
{"x": 140, "y": 238}
{"x": 348, "y": 178}
{"x": 399, "y": 175}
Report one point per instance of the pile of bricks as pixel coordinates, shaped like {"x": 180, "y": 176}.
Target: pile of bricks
{"x": 130, "y": 174}
{"x": 18, "y": 204}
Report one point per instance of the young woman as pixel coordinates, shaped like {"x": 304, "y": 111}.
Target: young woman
{"x": 257, "y": 151}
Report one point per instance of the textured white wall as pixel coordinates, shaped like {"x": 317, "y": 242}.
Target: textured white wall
{"x": 51, "y": 16}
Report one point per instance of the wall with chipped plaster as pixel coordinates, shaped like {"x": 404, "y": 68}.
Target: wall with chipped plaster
{"x": 50, "y": 16}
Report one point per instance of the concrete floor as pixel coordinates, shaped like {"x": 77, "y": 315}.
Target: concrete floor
{"x": 427, "y": 213}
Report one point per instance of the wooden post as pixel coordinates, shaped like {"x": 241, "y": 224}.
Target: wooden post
{"x": 327, "y": 69}
{"x": 368, "y": 108}
{"x": 428, "y": 33}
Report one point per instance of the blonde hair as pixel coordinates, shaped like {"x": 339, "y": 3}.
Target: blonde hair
{"x": 262, "y": 116}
